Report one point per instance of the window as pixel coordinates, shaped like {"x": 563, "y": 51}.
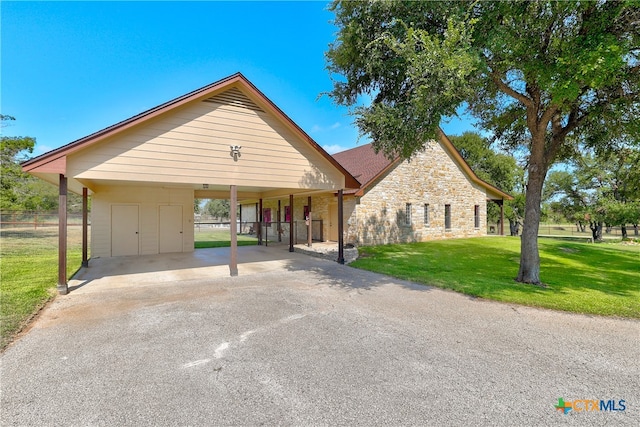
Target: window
{"x": 266, "y": 215}
{"x": 476, "y": 216}
{"x": 447, "y": 217}
{"x": 426, "y": 214}
{"x": 287, "y": 213}
{"x": 407, "y": 214}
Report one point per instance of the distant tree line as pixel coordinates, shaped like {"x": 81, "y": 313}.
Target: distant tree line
{"x": 21, "y": 191}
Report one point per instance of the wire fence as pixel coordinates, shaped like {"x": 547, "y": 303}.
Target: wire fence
{"x": 577, "y": 230}
{"x": 270, "y": 231}
{"x": 36, "y": 219}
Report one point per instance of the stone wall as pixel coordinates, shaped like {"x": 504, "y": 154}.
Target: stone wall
{"x": 430, "y": 177}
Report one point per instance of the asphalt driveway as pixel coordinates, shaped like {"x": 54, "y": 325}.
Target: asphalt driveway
{"x": 310, "y": 342}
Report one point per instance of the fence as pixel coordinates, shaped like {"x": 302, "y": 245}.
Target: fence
{"x": 36, "y": 219}
{"x": 269, "y": 230}
{"x": 574, "y": 230}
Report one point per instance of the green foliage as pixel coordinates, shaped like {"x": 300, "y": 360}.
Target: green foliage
{"x": 579, "y": 277}
{"x": 601, "y": 188}
{"x": 21, "y": 191}
{"x": 545, "y": 76}
{"x": 218, "y": 208}
{"x": 498, "y": 169}
{"x": 571, "y": 64}
{"x": 13, "y": 149}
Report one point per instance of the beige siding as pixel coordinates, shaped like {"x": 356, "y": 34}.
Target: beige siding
{"x": 148, "y": 199}
{"x": 191, "y": 145}
{"x": 431, "y": 177}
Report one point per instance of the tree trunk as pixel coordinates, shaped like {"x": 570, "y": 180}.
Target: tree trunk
{"x": 529, "y": 257}
{"x": 596, "y": 231}
{"x": 514, "y": 227}
{"x": 623, "y": 230}
{"x": 635, "y": 229}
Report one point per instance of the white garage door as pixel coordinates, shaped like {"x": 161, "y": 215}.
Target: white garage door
{"x": 170, "y": 233}
{"x": 124, "y": 230}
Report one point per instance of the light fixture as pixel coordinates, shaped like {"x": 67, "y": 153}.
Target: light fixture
{"x": 235, "y": 152}
{"x": 205, "y": 186}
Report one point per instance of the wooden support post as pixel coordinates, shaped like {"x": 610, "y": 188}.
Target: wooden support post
{"x": 309, "y": 224}
{"x": 233, "y": 263}
{"x": 240, "y": 213}
{"x": 340, "y": 228}
{"x": 279, "y": 223}
{"x": 63, "y": 287}
{"x": 501, "y": 217}
{"x": 309, "y": 230}
{"x": 259, "y": 218}
{"x": 85, "y": 227}
{"x": 290, "y": 222}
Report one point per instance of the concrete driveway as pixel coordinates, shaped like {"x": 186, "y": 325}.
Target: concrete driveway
{"x": 304, "y": 341}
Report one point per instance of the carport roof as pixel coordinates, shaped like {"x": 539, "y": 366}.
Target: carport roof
{"x": 54, "y": 162}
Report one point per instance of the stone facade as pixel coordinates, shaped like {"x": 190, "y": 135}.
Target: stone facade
{"x": 392, "y": 208}
{"x": 431, "y": 178}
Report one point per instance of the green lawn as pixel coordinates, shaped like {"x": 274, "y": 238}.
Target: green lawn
{"x": 29, "y": 273}
{"x": 601, "y": 278}
{"x": 217, "y": 238}
{"x": 29, "y": 269}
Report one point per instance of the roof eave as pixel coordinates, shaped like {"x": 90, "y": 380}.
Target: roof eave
{"x": 444, "y": 139}
{"x": 203, "y": 92}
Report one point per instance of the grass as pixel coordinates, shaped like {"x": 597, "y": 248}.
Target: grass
{"x": 29, "y": 270}
{"x": 29, "y": 273}
{"x": 601, "y": 279}
{"x": 219, "y": 238}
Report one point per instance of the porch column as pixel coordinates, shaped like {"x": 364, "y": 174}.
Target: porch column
{"x": 340, "y": 228}
{"x": 501, "y": 203}
{"x": 309, "y": 224}
{"x": 290, "y": 222}
{"x": 259, "y": 218}
{"x": 279, "y": 225}
{"x": 63, "y": 288}
{"x": 85, "y": 227}
{"x": 233, "y": 263}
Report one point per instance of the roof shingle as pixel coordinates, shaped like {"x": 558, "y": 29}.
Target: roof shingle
{"x": 363, "y": 164}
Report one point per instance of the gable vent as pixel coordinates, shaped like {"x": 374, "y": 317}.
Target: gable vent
{"x": 235, "y": 98}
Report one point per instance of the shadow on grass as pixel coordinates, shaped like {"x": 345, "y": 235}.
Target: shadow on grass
{"x": 580, "y": 277}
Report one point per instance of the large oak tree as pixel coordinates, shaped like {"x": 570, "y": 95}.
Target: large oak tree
{"x": 546, "y": 76}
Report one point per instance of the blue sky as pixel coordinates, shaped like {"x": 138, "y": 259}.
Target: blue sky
{"x": 71, "y": 68}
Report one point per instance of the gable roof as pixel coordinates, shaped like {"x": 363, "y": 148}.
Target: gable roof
{"x": 367, "y": 166}
{"x": 55, "y": 159}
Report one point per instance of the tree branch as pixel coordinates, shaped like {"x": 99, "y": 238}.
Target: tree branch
{"x": 509, "y": 91}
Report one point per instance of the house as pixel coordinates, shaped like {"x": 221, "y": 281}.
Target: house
{"x": 435, "y": 195}
{"x": 227, "y": 140}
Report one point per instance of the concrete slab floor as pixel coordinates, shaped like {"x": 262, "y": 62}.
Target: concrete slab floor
{"x": 200, "y": 264}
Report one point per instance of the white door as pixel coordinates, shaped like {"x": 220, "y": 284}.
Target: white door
{"x": 124, "y": 230}
{"x": 170, "y": 233}
{"x": 333, "y": 223}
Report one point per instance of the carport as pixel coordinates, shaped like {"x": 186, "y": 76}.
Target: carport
{"x": 226, "y": 140}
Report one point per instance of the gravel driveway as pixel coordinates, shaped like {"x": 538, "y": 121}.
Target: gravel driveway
{"x": 312, "y": 343}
